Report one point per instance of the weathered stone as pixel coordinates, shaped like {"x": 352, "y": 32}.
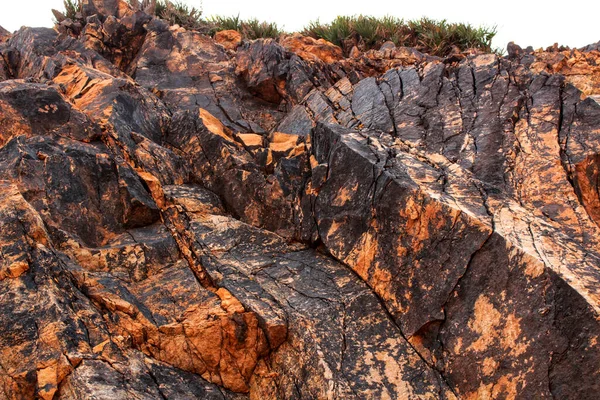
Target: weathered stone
{"x": 229, "y": 39}
{"x": 297, "y": 122}
{"x": 226, "y": 167}
{"x": 251, "y": 141}
{"x": 311, "y": 49}
{"x": 4, "y": 35}
{"x": 47, "y": 168}
{"x": 119, "y": 40}
{"x": 271, "y": 220}
{"x": 106, "y": 8}
{"x": 118, "y": 104}
{"x": 387, "y": 46}
{"x": 264, "y": 67}
{"x": 330, "y": 315}
{"x": 34, "y": 109}
{"x": 369, "y": 106}
{"x": 29, "y": 50}
{"x": 4, "y": 71}
{"x": 39, "y": 53}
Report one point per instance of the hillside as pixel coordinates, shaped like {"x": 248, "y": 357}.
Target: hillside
{"x": 193, "y": 217}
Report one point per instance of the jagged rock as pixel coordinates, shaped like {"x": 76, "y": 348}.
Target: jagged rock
{"x": 263, "y": 66}
{"x": 174, "y": 64}
{"x": 330, "y": 313}
{"x": 311, "y": 49}
{"x": 579, "y": 68}
{"x": 271, "y": 220}
{"x": 591, "y": 47}
{"x": 369, "y": 106}
{"x": 145, "y": 379}
{"x": 4, "y": 72}
{"x": 4, "y": 35}
{"x": 514, "y": 50}
{"x": 119, "y": 40}
{"x": 29, "y": 50}
{"x": 118, "y": 103}
{"x": 227, "y": 168}
{"x": 33, "y": 109}
{"x": 106, "y": 8}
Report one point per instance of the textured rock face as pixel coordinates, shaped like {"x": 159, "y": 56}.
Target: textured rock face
{"x": 188, "y": 218}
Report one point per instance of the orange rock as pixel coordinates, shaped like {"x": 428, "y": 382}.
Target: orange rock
{"x": 155, "y": 187}
{"x": 312, "y": 49}
{"x": 581, "y": 69}
{"x": 251, "y": 141}
{"x": 228, "y": 302}
{"x": 282, "y": 142}
{"x": 214, "y": 125}
{"x": 229, "y": 39}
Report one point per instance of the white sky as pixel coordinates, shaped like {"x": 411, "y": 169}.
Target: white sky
{"x": 526, "y": 22}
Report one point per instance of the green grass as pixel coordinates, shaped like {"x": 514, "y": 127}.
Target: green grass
{"x": 72, "y": 7}
{"x": 255, "y": 29}
{"x": 427, "y": 35}
{"x": 250, "y": 28}
{"x": 221, "y": 23}
{"x": 178, "y": 13}
{"x": 335, "y": 32}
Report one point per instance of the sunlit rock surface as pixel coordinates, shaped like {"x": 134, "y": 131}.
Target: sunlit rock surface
{"x": 189, "y": 218}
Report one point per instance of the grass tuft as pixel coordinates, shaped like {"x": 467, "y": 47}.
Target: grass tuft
{"x": 255, "y": 29}
{"x": 179, "y": 13}
{"x": 72, "y": 7}
{"x": 427, "y": 35}
{"x": 250, "y": 28}
{"x": 221, "y": 23}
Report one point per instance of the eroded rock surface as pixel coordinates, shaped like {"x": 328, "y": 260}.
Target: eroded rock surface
{"x": 183, "y": 217}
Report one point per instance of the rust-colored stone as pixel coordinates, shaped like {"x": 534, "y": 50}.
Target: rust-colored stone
{"x": 312, "y": 49}
{"x": 229, "y": 39}
{"x": 188, "y": 217}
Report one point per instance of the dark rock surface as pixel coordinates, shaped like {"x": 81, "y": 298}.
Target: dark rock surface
{"x": 270, "y": 220}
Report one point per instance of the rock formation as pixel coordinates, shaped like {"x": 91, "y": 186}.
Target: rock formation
{"x": 189, "y": 218}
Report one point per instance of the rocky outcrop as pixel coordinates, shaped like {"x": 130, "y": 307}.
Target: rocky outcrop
{"x": 183, "y": 217}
